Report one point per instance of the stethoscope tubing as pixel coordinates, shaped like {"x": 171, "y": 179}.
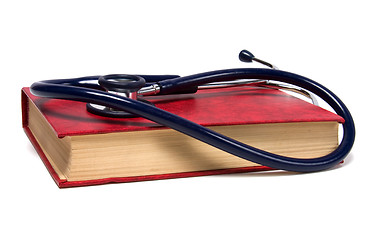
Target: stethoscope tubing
{"x": 72, "y": 89}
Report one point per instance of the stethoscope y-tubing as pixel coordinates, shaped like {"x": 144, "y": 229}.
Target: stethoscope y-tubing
{"x": 71, "y": 89}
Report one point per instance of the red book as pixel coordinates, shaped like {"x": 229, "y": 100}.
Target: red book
{"x": 81, "y": 137}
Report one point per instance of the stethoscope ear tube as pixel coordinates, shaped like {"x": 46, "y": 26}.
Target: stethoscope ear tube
{"x": 262, "y": 157}
{"x": 61, "y": 89}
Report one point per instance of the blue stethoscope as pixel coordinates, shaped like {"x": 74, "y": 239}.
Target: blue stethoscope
{"x": 119, "y": 95}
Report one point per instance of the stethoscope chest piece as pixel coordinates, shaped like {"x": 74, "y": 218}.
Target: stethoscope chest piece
{"x": 120, "y": 84}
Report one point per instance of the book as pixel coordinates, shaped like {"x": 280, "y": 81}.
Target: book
{"x": 80, "y": 148}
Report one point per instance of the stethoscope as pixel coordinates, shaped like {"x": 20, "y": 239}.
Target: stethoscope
{"x": 120, "y": 95}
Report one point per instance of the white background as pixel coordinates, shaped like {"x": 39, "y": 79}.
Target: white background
{"x": 332, "y": 42}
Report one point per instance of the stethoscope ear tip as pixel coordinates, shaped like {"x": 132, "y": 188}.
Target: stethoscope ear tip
{"x": 246, "y": 56}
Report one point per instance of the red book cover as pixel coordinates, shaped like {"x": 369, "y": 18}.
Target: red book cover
{"x": 211, "y": 107}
